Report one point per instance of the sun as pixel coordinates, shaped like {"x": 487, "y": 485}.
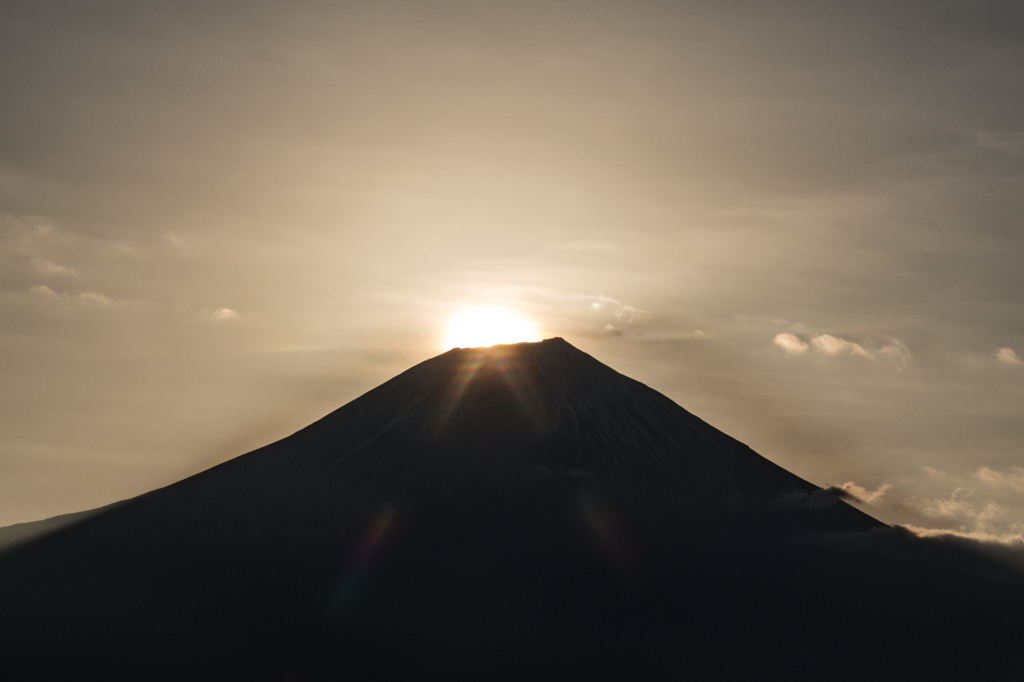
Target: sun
{"x": 487, "y": 326}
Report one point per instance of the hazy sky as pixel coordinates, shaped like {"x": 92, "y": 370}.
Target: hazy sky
{"x": 803, "y": 221}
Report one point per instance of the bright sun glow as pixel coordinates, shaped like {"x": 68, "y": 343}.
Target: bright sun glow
{"x": 487, "y": 326}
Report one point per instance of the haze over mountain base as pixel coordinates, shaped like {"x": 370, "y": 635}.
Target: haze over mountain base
{"x": 504, "y": 512}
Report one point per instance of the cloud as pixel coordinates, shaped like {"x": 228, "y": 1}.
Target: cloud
{"x": 821, "y": 498}
{"x": 791, "y": 343}
{"x": 1006, "y": 142}
{"x": 986, "y": 555}
{"x": 897, "y": 351}
{"x": 985, "y": 505}
{"x": 979, "y": 535}
{"x": 43, "y": 292}
{"x": 46, "y": 267}
{"x": 174, "y": 239}
{"x": 987, "y": 521}
{"x": 86, "y": 297}
{"x": 1013, "y": 481}
{"x": 220, "y": 315}
{"x": 863, "y": 494}
{"x": 833, "y": 345}
{"x": 828, "y": 344}
{"x": 93, "y": 297}
{"x": 1009, "y": 356}
{"x": 623, "y": 312}
{"x": 674, "y": 335}
{"x": 826, "y": 497}
{"x": 956, "y": 507}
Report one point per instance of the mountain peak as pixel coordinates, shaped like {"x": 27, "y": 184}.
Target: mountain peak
{"x": 543, "y": 405}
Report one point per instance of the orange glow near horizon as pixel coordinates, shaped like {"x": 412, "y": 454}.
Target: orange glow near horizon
{"x": 488, "y": 326}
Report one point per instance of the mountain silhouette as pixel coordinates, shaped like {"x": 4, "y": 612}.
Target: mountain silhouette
{"x": 505, "y": 512}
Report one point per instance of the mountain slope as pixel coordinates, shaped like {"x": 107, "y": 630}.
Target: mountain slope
{"x": 502, "y": 512}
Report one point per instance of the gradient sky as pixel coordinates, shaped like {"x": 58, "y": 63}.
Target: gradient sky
{"x": 802, "y": 221}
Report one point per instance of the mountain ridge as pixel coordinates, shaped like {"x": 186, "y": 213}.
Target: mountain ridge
{"x": 556, "y": 396}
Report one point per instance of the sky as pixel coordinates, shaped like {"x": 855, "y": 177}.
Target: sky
{"x": 802, "y": 221}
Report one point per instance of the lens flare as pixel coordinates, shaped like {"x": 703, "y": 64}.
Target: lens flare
{"x": 488, "y": 326}
{"x": 370, "y": 542}
{"x": 607, "y": 530}
{"x": 499, "y": 363}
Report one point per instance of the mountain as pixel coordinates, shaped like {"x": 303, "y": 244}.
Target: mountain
{"x": 19, "y": 533}
{"x": 505, "y": 512}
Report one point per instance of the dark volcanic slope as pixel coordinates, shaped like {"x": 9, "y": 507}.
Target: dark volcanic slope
{"x": 548, "y": 404}
{"x": 503, "y": 512}
{"x": 490, "y": 413}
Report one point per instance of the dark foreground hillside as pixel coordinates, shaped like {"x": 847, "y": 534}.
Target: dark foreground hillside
{"x": 519, "y": 511}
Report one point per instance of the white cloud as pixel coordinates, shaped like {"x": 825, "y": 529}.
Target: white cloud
{"x": 984, "y": 521}
{"x": 623, "y": 312}
{"x": 47, "y": 267}
{"x": 1013, "y": 480}
{"x": 1010, "y": 538}
{"x": 896, "y": 351}
{"x": 43, "y": 291}
{"x": 833, "y": 345}
{"x": 956, "y": 507}
{"x": 828, "y": 344}
{"x": 863, "y": 494}
{"x": 86, "y": 297}
{"x": 986, "y": 506}
{"x": 220, "y": 315}
{"x": 94, "y": 298}
{"x": 791, "y": 343}
{"x": 1009, "y": 356}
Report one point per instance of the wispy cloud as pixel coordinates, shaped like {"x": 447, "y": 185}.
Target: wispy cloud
{"x": 47, "y": 267}
{"x": 833, "y": 345}
{"x": 1013, "y": 480}
{"x": 43, "y": 291}
{"x": 95, "y": 298}
{"x": 957, "y": 506}
{"x": 863, "y": 494}
{"x": 174, "y": 239}
{"x": 85, "y": 297}
{"x": 623, "y": 312}
{"x": 985, "y": 505}
{"x": 896, "y": 351}
{"x": 1011, "y": 142}
{"x": 1011, "y": 538}
{"x": 1009, "y": 356}
{"x": 986, "y": 520}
